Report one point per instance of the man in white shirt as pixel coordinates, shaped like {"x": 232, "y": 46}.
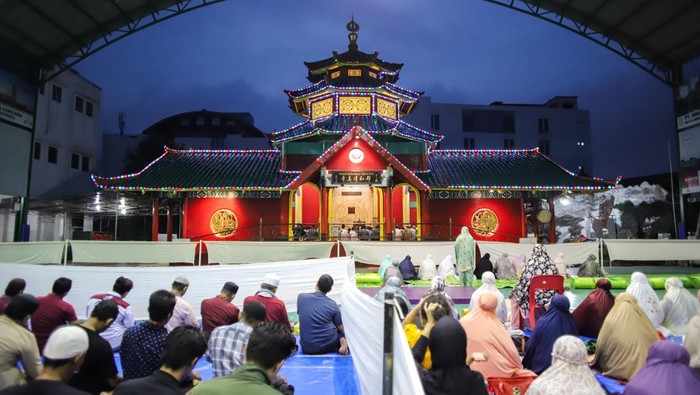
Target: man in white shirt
{"x": 183, "y": 313}
{"x": 125, "y": 319}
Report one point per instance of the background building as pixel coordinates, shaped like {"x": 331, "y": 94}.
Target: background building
{"x": 558, "y": 127}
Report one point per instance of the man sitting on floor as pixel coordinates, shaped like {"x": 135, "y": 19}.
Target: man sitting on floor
{"x": 143, "y": 344}
{"x": 269, "y": 345}
{"x": 17, "y": 344}
{"x": 227, "y": 343}
{"x": 183, "y": 348}
{"x": 183, "y": 314}
{"x": 321, "y": 328}
{"x": 53, "y": 311}
{"x": 125, "y": 319}
{"x": 219, "y": 311}
{"x": 63, "y": 354}
{"x": 99, "y": 372}
{"x": 276, "y": 310}
{"x": 14, "y": 287}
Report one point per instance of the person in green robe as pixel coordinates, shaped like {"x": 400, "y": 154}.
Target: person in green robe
{"x": 464, "y": 253}
{"x": 386, "y": 263}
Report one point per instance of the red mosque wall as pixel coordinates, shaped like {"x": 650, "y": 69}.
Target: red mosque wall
{"x": 461, "y": 210}
{"x": 311, "y": 204}
{"x": 248, "y": 213}
{"x": 397, "y": 206}
{"x": 341, "y": 161}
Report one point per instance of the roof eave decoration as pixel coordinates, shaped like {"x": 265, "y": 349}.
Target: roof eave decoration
{"x": 357, "y": 131}
{"x": 113, "y": 183}
{"x": 304, "y": 93}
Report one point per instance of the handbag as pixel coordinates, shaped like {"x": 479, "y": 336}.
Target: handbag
{"x": 509, "y": 385}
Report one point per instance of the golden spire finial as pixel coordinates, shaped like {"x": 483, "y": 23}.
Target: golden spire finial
{"x": 353, "y": 28}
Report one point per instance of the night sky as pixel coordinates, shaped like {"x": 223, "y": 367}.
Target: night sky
{"x": 238, "y": 56}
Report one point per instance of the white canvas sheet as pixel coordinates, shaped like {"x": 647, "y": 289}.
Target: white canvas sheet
{"x": 95, "y": 251}
{"x": 363, "y": 318}
{"x": 225, "y": 252}
{"x": 374, "y": 251}
{"x": 34, "y": 252}
{"x": 653, "y": 250}
{"x": 573, "y": 252}
{"x": 205, "y": 281}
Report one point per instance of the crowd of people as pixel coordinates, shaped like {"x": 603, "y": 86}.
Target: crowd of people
{"x": 45, "y": 349}
{"x": 630, "y": 329}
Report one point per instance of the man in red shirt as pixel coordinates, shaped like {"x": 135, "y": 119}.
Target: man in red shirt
{"x": 53, "y": 311}
{"x": 276, "y": 310}
{"x": 219, "y": 311}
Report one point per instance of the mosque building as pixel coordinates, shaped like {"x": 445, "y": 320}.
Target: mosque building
{"x": 352, "y": 161}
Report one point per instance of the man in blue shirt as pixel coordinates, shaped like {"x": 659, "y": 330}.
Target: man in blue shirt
{"x": 320, "y": 325}
{"x": 143, "y": 344}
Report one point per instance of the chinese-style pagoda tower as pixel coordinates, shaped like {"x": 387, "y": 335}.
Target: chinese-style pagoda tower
{"x": 352, "y": 162}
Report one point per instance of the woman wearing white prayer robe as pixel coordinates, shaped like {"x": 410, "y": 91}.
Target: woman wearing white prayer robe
{"x": 679, "y": 306}
{"x": 646, "y": 298}
{"x": 447, "y": 267}
{"x": 427, "y": 269}
{"x": 488, "y": 284}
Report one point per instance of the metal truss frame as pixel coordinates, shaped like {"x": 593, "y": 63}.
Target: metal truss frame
{"x": 155, "y": 16}
{"x": 666, "y": 75}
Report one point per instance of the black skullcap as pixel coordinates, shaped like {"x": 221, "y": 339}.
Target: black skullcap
{"x": 21, "y": 306}
{"x": 231, "y": 287}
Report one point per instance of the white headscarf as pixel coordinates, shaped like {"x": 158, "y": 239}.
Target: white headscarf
{"x": 569, "y": 373}
{"x": 560, "y": 263}
{"x": 505, "y": 270}
{"x": 646, "y": 298}
{"x": 447, "y": 267}
{"x": 692, "y": 342}
{"x": 679, "y": 306}
{"x": 488, "y": 284}
{"x": 427, "y": 268}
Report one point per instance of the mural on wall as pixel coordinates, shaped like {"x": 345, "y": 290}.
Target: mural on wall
{"x": 636, "y": 212}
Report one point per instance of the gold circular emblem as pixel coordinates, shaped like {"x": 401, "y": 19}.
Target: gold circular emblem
{"x": 223, "y": 223}
{"x": 484, "y": 222}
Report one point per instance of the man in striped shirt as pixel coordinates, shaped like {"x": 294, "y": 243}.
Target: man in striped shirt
{"x": 125, "y": 319}
{"x": 227, "y": 343}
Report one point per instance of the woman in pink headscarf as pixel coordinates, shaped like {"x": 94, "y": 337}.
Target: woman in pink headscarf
{"x": 487, "y": 334}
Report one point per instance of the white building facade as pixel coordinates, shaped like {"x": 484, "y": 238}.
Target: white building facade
{"x": 558, "y": 127}
{"x": 67, "y": 145}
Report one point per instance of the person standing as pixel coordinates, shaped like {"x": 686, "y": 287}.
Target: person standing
{"x": 17, "y": 344}
{"x": 53, "y": 311}
{"x": 143, "y": 344}
{"x": 14, "y": 287}
{"x": 321, "y": 326}
{"x": 99, "y": 371}
{"x": 219, "y": 311}
{"x": 276, "y": 310}
{"x": 183, "y": 313}
{"x": 464, "y": 253}
{"x": 227, "y": 343}
{"x": 183, "y": 348}
{"x": 63, "y": 355}
{"x": 125, "y": 319}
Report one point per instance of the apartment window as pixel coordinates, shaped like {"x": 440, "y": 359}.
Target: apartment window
{"x": 215, "y": 121}
{"x": 435, "y": 121}
{"x": 56, "y": 93}
{"x": 200, "y": 121}
{"x": 75, "y": 161}
{"x": 79, "y": 104}
{"x": 37, "y": 150}
{"x": 85, "y": 164}
{"x": 53, "y": 155}
{"x": 468, "y": 121}
{"x": 469, "y": 143}
{"x": 543, "y": 124}
{"x": 88, "y": 108}
{"x": 508, "y": 143}
{"x": 544, "y": 147}
{"x": 509, "y": 122}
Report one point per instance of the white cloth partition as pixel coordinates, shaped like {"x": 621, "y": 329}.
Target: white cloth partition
{"x": 363, "y": 318}
{"x": 34, "y": 252}
{"x": 205, "y": 281}
{"x": 374, "y": 251}
{"x": 95, "y": 251}
{"x": 573, "y": 252}
{"x": 225, "y": 252}
{"x": 653, "y": 250}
